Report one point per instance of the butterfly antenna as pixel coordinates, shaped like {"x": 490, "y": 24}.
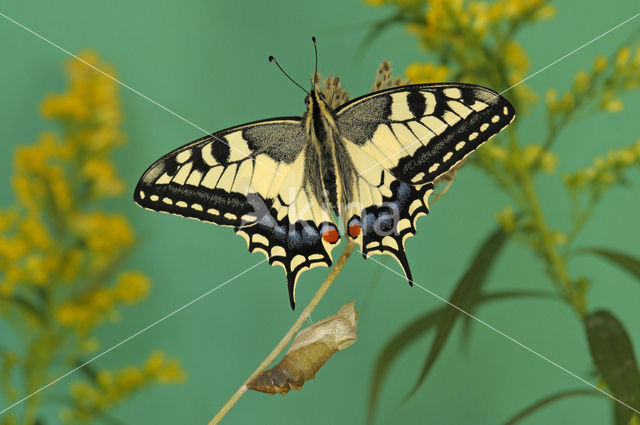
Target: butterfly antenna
{"x": 272, "y": 59}
{"x": 315, "y": 71}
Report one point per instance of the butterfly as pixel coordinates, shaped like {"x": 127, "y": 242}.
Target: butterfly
{"x": 372, "y": 162}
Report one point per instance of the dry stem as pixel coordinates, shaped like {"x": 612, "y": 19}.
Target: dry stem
{"x": 289, "y": 335}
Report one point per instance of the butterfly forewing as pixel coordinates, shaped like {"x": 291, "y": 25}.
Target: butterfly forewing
{"x": 223, "y": 177}
{"x": 420, "y": 132}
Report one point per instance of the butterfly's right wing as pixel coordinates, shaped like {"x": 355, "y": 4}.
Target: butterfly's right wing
{"x": 400, "y": 140}
{"x": 248, "y": 177}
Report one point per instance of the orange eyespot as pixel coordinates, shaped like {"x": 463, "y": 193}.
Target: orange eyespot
{"x": 330, "y": 234}
{"x": 354, "y": 228}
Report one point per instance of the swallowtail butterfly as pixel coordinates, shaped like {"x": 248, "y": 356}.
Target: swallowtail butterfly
{"x": 372, "y": 161}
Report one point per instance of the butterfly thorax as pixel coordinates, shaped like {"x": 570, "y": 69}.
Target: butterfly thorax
{"x": 332, "y": 181}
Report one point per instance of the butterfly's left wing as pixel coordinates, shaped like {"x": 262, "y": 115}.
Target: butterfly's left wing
{"x": 400, "y": 141}
{"x": 250, "y": 178}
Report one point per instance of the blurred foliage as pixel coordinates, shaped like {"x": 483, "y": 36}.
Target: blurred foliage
{"x": 61, "y": 256}
{"x": 475, "y": 42}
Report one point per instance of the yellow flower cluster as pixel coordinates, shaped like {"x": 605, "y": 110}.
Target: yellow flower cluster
{"x": 528, "y": 158}
{"x": 60, "y": 254}
{"x": 605, "y": 171}
{"x": 28, "y": 253}
{"x": 112, "y": 387}
{"x": 41, "y": 179}
{"x": 92, "y": 99}
{"x": 521, "y": 9}
{"x": 90, "y": 114}
{"x": 47, "y": 237}
{"x": 106, "y": 237}
{"x": 89, "y": 309}
{"x": 419, "y": 73}
{"x": 474, "y": 41}
{"x": 463, "y": 19}
{"x": 409, "y": 4}
{"x": 601, "y": 84}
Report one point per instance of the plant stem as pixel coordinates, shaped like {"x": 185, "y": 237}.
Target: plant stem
{"x": 557, "y": 267}
{"x": 289, "y": 335}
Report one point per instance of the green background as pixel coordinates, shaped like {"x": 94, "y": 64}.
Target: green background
{"x": 207, "y": 61}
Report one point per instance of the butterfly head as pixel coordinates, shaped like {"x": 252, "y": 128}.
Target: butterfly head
{"x": 315, "y": 99}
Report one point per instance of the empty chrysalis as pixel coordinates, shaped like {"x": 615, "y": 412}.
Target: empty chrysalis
{"x": 310, "y": 350}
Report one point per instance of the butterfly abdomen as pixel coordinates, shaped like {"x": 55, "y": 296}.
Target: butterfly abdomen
{"x": 323, "y": 136}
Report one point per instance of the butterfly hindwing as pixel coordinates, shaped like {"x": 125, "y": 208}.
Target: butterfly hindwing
{"x": 290, "y": 229}
{"x": 386, "y": 209}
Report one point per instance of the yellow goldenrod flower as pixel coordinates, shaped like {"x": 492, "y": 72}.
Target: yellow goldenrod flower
{"x": 166, "y": 371}
{"x": 551, "y": 99}
{"x": 581, "y": 81}
{"x": 567, "y": 102}
{"x": 105, "y": 236}
{"x": 102, "y": 176}
{"x": 600, "y": 63}
{"x": 535, "y": 155}
{"x": 546, "y": 12}
{"x": 427, "y": 73}
{"x": 70, "y": 264}
{"x": 559, "y": 238}
{"x": 171, "y": 373}
{"x": 495, "y": 152}
{"x": 132, "y": 287}
{"x": 622, "y": 57}
{"x": 129, "y": 379}
{"x": 154, "y": 362}
{"x": 506, "y": 219}
{"x": 611, "y": 104}
{"x": 517, "y": 58}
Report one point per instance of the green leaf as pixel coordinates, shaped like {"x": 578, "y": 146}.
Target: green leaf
{"x": 500, "y": 295}
{"x": 464, "y": 296}
{"x": 612, "y": 353}
{"x": 625, "y": 261}
{"x": 548, "y": 400}
{"x": 28, "y": 307}
{"x": 393, "y": 348}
